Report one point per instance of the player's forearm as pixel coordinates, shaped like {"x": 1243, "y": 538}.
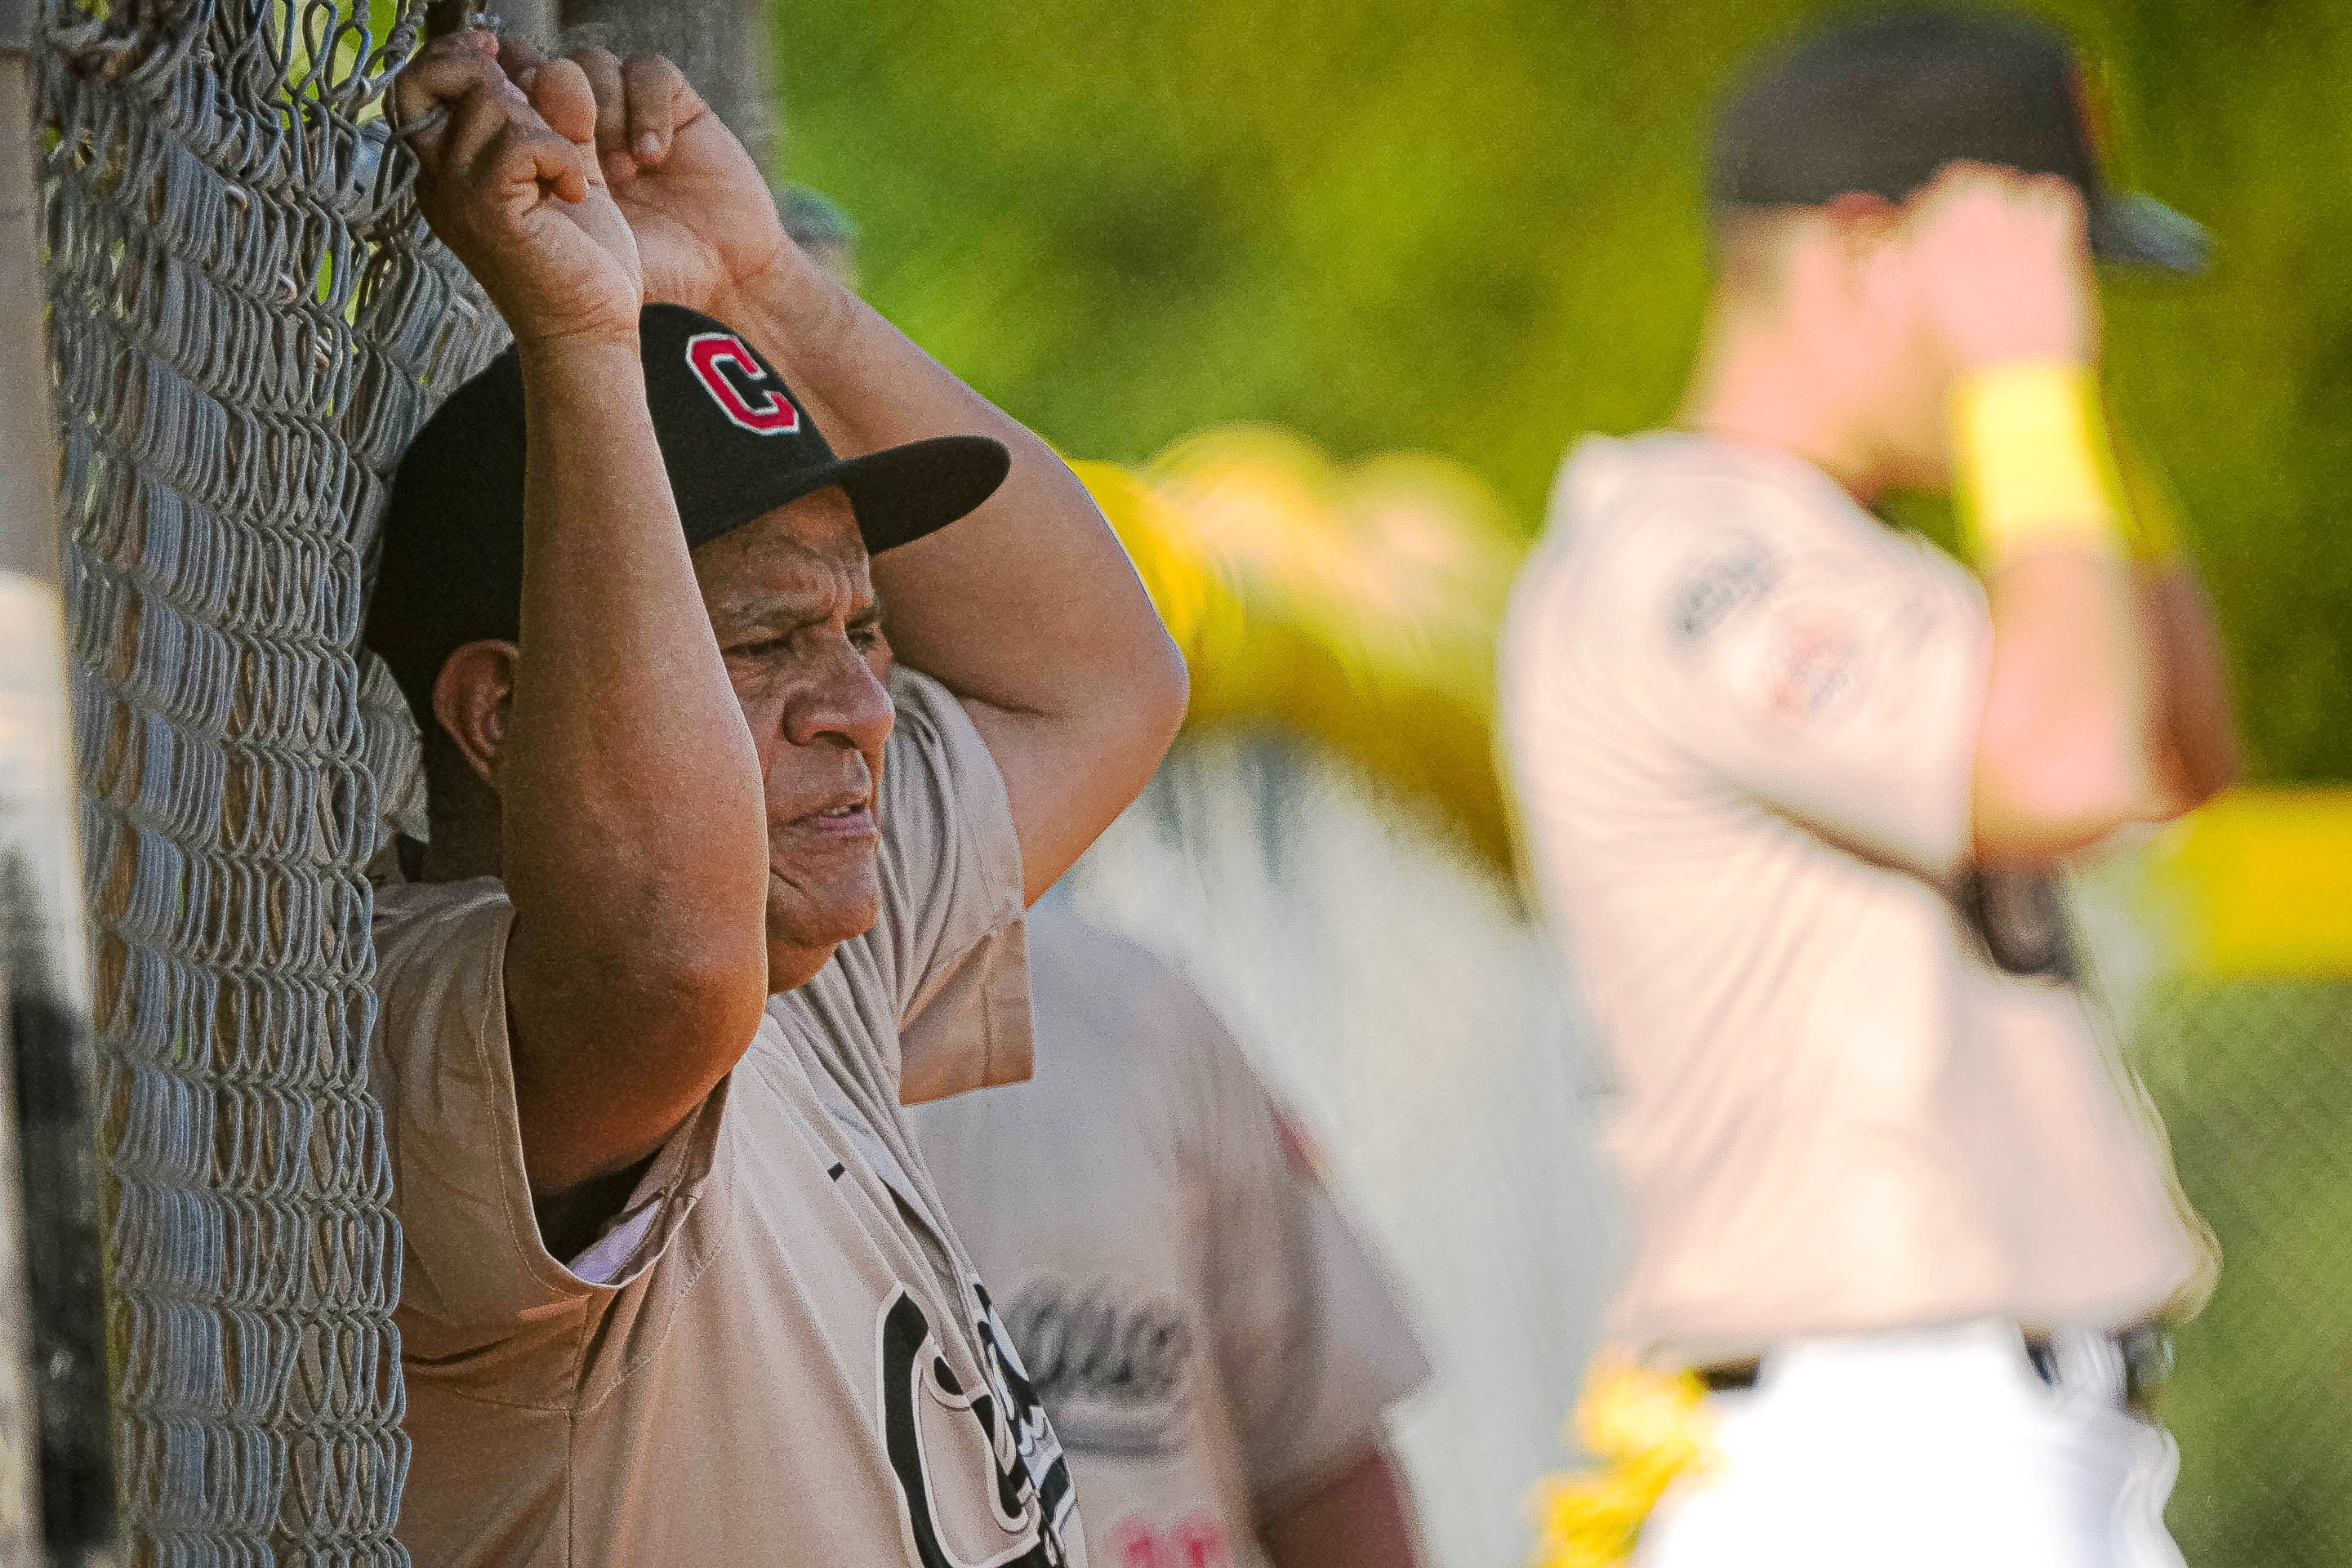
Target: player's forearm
{"x": 2069, "y": 747}
{"x": 2068, "y": 750}
{"x": 2197, "y": 734}
{"x": 2198, "y": 730}
{"x": 634, "y": 836}
{"x": 1360, "y": 1519}
{"x": 1028, "y": 609}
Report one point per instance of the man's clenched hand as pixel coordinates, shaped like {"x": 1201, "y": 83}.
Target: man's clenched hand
{"x": 2004, "y": 268}
{"x": 509, "y": 181}
{"x": 705, "y": 221}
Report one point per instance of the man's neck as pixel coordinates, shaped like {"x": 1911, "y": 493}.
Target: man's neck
{"x": 790, "y": 966}
{"x": 1756, "y": 385}
{"x": 461, "y": 848}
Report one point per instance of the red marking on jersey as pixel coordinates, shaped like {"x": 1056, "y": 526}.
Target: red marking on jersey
{"x": 708, "y": 355}
{"x": 1198, "y": 1541}
{"x": 1817, "y": 670}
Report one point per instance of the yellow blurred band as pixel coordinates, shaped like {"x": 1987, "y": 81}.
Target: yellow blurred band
{"x": 1355, "y": 607}
{"x": 2033, "y": 466}
{"x": 2253, "y": 886}
{"x": 1202, "y": 611}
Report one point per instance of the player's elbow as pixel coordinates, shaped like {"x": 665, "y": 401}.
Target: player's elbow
{"x": 2044, "y": 796}
{"x": 1161, "y": 687}
{"x": 1360, "y": 1517}
{"x": 717, "y": 988}
{"x": 2202, "y": 766}
{"x": 1135, "y": 702}
{"x": 614, "y": 1053}
{"x": 2206, "y": 779}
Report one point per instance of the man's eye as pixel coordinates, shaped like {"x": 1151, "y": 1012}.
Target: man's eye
{"x": 865, "y": 637}
{"x": 758, "y": 648}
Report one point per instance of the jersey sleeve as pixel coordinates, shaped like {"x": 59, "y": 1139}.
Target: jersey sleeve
{"x": 474, "y": 1272}
{"x": 1310, "y": 1341}
{"x": 1840, "y": 684}
{"x": 950, "y": 937}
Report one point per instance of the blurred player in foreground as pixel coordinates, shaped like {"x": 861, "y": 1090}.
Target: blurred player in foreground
{"x": 1794, "y": 784}
{"x": 1213, "y": 1343}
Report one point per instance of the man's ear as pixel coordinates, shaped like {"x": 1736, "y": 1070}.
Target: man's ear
{"x": 1868, "y": 229}
{"x": 471, "y": 697}
{"x": 1863, "y": 218}
{"x": 1874, "y": 240}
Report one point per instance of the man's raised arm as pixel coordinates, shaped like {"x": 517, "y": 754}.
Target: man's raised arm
{"x": 633, "y": 834}
{"x": 1028, "y": 609}
{"x": 2071, "y": 746}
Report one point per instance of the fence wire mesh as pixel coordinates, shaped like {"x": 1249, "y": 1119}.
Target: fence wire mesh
{"x": 2255, "y": 1079}
{"x": 247, "y": 323}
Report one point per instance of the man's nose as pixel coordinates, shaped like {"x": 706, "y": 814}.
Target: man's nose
{"x": 843, "y": 698}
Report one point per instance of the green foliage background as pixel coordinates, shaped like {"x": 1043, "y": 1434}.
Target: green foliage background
{"x": 1475, "y": 229}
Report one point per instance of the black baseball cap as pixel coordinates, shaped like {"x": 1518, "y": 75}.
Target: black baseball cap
{"x": 1878, "y": 103}
{"x": 735, "y": 440}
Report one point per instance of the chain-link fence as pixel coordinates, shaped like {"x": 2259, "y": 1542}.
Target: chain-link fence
{"x": 247, "y": 322}
{"x": 2254, "y": 1080}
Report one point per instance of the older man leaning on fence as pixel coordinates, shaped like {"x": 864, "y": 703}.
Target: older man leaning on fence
{"x": 677, "y": 1286}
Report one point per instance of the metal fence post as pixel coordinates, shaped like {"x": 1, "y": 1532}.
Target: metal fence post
{"x": 721, "y": 45}
{"x": 28, "y": 535}
{"x": 56, "y": 1474}
{"x": 28, "y": 555}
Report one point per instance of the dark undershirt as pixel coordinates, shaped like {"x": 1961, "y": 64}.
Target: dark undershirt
{"x": 571, "y": 1221}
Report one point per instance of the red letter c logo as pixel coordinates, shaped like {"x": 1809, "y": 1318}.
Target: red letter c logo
{"x": 708, "y": 353}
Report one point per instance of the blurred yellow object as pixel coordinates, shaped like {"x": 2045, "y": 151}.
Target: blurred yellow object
{"x": 1357, "y": 606}
{"x": 1646, "y": 1427}
{"x": 2257, "y": 885}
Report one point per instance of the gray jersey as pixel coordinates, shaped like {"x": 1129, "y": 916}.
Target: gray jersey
{"x": 1856, "y": 1087}
{"x": 1206, "y": 1331}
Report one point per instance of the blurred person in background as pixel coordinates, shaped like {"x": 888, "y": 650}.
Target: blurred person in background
{"x": 1795, "y": 784}
{"x": 1216, "y": 1346}
{"x": 1215, "y": 1343}
{"x": 825, "y": 233}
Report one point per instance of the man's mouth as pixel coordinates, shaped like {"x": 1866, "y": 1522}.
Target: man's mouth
{"x": 847, "y": 819}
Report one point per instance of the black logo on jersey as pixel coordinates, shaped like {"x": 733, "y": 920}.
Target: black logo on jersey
{"x": 1032, "y": 1492}
{"x": 1114, "y": 1373}
{"x": 1732, "y": 580}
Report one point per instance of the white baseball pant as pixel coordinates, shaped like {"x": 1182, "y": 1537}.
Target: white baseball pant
{"x": 1939, "y": 1448}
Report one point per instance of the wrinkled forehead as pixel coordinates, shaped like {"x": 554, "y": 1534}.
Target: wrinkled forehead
{"x": 807, "y": 555}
